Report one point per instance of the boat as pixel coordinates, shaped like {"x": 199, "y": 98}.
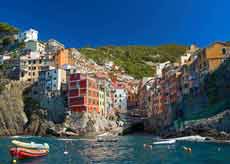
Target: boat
{"x": 30, "y": 145}
{"x": 164, "y": 142}
{"x": 191, "y": 138}
{"x": 23, "y": 153}
{"x": 107, "y": 139}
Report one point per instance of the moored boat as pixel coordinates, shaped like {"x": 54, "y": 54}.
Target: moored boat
{"x": 164, "y": 142}
{"x": 22, "y": 153}
{"x": 191, "y": 138}
{"x": 31, "y": 145}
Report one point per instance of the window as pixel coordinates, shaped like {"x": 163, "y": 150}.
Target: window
{"x": 34, "y": 61}
{"x": 77, "y": 84}
{"x": 29, "y": 62}
{"x": 40, "y": 61}
{"x": 224, "y": 51}
{"x": 33, "y": 73}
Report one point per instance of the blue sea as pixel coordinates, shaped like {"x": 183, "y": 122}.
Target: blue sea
{"x": 128, "y": 150}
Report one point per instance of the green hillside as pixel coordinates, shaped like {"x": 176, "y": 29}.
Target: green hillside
{"x": 7, "y": 29}
{"x": 137, "y": 61}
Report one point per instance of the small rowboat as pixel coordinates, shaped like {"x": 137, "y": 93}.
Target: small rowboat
{"x": 165, "y": 142}
{"x": 31, "y": 145}
{"x": 22, "y": 153}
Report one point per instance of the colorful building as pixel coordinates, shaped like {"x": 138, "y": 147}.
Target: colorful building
{"x": 102, "y": 100}
{"x": 83, "y": 93}
{"x": 62, "y": 58}
{"x": 30, "y": 65}
{"x": 145, "y": 95}
{"x": 194, "y": 67}
{"x": 51, "y": 80}
{"x": 132, "y": 91}
{"x": 166, "y": 90}
{"x": 119, "y": 99}
{"x": 216, "y": 53}
{"x": 105, "y": 89}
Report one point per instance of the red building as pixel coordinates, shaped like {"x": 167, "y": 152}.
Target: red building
{"x": 82, "y": 93}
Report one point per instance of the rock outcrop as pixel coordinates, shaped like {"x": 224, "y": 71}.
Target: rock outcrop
{"x": 38, "y": 124}
{"x": 217, "y": 127}
{"x": 89, "y": 123}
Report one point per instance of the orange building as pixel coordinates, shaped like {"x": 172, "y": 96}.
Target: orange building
{"x": 216, "y": 53}
{"x": 63, "y": 57}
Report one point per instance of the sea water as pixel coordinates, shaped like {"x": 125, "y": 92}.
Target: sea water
{"x": 127, "y": 150}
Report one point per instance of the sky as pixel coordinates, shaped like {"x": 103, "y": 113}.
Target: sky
{"x": 80, "y": 23}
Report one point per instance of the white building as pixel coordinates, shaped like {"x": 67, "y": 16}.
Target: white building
{"x": 120, "y": 99}
{"x": 160, "y": 67}
{"x": 53, "y": 46}
{"x": 3, "y": 58}
{"x": 28, "y": 35}
{"x": 51, "y": 80}
{"x": 109, "y": 65}
{"x": 33, "y": 46}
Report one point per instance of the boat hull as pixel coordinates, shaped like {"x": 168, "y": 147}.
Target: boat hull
{"x": 23, "y": 153}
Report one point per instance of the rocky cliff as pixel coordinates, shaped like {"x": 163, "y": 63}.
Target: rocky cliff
{"x": 12, "y": 115}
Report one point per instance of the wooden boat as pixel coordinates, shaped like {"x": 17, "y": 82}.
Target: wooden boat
{"x": 164, "y": 142}
{"x": 31, "y": 145}
{"x": 22, "y": 153}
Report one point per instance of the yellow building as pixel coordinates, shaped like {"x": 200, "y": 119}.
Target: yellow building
{"x": 102, "y": 101}
{"x": 216, "y": 53}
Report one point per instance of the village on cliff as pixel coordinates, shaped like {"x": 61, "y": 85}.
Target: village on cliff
{"x": 64, "y": 81}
